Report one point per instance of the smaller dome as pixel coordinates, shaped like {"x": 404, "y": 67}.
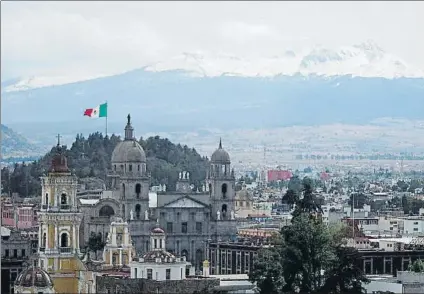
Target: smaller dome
{"x": 244, "y": 195}
{"x": 34, "y": 277}
{"x": 59, "y": 162}
{"x": 158, "y": 231}
{"x": 165, "y": 256}
{"x": 220, "y": 155}
{"x": 128, "y": 151}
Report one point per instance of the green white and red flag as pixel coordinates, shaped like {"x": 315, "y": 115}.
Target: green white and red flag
{"x": 99, "y": 111}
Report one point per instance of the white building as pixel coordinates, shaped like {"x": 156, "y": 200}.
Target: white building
{"x": 158, "y": 264}
{"x": 414, "y": 225}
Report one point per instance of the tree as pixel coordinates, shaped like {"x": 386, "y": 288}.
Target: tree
{"x": 267, "y": 271}
{"x": 417, "y": 266}
{"x": 95, "y": 243}
{"x": 305, "y": 249}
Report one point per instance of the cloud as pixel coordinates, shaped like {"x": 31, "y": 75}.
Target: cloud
{"x": 108, "y": 37}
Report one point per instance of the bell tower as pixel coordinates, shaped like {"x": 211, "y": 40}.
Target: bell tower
{"x": 221, "y": 182}
{"x": 59, "y": 218}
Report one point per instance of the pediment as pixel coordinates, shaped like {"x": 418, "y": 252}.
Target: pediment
{"x": 184, "y": 203}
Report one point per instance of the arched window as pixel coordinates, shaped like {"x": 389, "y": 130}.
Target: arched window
{"x": 114, "y": 167}
{"x": 138, "y": 190}
{"x": 137, "y": 211}
{"x": 106, "y": 211}
{"x": 47, "y": 198}
{"x": 44, "y": 240}
{"x": 210, "y": 189}
{"x": 123, "y": 210}
{"x": 224, "y": 210}
{"x": 130, "y": 167}
{"x": 63, "y": 199}
{"x": 123, "y": 191}
{"x": 64, "y": 242}
{"x": 199, "y": 257}
{"x": 224, "y": 190}
{"x": 184, "y": 253}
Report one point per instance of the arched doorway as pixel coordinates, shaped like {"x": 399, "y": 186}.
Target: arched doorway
{"x": 224, "y": 210}
{"x": 138, "y": 190}
{"x": 106, "y": 211}
{"x": 137, "y": 211}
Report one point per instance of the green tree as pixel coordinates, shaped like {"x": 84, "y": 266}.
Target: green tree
{"x": 417, "y": 266}
{"x": 267, "y": 271}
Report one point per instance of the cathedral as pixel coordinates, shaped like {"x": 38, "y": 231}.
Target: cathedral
{"x": 190, "y": 219}
{"x": 125, "y": 215}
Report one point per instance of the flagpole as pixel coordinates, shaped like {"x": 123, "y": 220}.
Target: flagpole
{"x": 106, "y": 117}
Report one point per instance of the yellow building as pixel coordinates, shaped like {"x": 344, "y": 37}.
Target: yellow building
{"x": 59, "y": 225}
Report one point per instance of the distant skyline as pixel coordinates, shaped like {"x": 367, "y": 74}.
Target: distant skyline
{"x": 92, "y": 38}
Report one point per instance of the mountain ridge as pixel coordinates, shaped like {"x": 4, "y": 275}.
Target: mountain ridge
{"x": 366, "y": 59}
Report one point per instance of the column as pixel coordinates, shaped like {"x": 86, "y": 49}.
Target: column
{"x": 56, "y": 234}
{"x": 113, "y": 236}
{"x": 110, "y": 256}
{"x": 120, "y": 256}
{"x": 126, "y": 241}
{"x": 77, "y": 240}
{"x": 47, "y": 235}
{"x": 74, "y": 237}
{"x": 40, "y": 236}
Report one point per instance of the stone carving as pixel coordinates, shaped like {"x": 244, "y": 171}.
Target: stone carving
{"x": 188, "y": 175}
{"x": 218, "y": 215}
{"x": 233, "y": 216}
{"x": 146, "y": 215}
{"x": 131, "y": 215}
{"x": 180, "y": 176}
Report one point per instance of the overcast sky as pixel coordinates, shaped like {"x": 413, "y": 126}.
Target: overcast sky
{"x": 75, "y": 38}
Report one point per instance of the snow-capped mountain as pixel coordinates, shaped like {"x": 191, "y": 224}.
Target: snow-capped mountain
{"x": 362, "y": 60}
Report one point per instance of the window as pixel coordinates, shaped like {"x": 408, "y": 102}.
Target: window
{"x": 23, "y": 253}
{"x": 198, "y": 227}
{"x": 415, "y": 229}
{"x": 415, "y": 223}
{"x": 64, "y": 240}
{"x": 130, "y": 167}
{"x": 6, "y": 252}
{"x": 149, "y": 274}
{"x": 114, "y": 167}
{"x": 138, "y": 190}
{"x": 137, "y": 211}
{"x": 47, "y": 198}
{"x": 156, "y": 243}
{"x": 224, "y": 190}
{"x": 63, "y": 199}
{"x": 193, "y": 216}
{"x": 135, "y": 273}
{"x": 138, "y": 167}
{"x": 15, "y": 253}
{"x": 168, "y": 273}
{"x": 169, "y": 227}
{"x": 184, "y": 228}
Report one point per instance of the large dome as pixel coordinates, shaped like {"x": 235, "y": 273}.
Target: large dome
{"x": 34, "y": 277}
{"x": 128, "y": 151}
{"x": 220, "y": 155}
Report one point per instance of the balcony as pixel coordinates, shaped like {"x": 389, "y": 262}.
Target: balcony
{"x": 42, "y": 249}
{"x": 44, "y": 206}
{"x": 65, "y": 249}
{"x": 65, "y": 207}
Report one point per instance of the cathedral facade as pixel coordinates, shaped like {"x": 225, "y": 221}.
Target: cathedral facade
{"x": 189, "y": 219}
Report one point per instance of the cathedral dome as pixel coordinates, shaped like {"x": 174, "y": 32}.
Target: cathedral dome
{"x": 220, "y": 155}
{"x": 128, "y": 151}
{"x": 244, "y": 195}
{"x": 34, "y": 277}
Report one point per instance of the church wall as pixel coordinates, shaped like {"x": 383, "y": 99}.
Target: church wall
{"x": 65, "y": 284}
{"x": 106, "y": 284}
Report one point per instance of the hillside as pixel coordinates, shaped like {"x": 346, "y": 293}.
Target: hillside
{"x": 90, "y": 157}
{"x": 16, "y": 147}
{"x": 187, "y": 102}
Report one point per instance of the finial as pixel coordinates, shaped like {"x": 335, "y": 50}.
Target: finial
{"x": 129, "y": 118}
{"x": 220, "y": 143}
{"x": 58, "y": 139}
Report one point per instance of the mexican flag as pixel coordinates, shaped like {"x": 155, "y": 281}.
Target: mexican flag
{"x": 99, "y": 111}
